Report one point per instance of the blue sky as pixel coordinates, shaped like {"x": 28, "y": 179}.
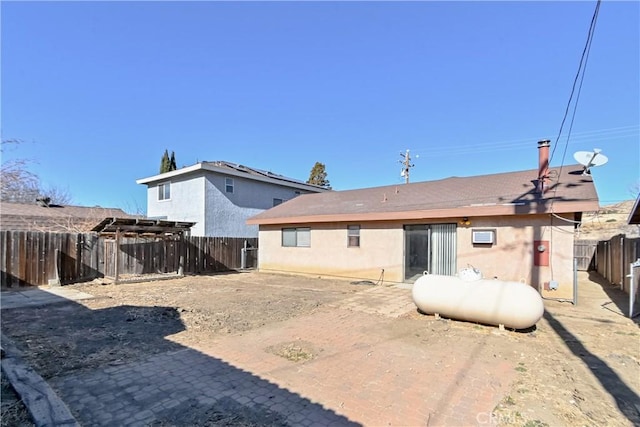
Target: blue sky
{"x": 98, "y": 90}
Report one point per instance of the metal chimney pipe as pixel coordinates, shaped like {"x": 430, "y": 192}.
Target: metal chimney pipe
{"x": 543, "y": 163}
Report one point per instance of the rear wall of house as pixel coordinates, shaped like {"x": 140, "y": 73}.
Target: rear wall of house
{"x": 513, "y": 255}
{"x": 382, "y": 247}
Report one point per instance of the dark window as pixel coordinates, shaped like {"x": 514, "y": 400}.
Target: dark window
{"x": 228, "y": 184}
{"x": 164, "y": 191}
{"x": 353, "y": 236}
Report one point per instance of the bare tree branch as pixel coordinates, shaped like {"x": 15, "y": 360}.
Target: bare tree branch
{"x": 58, "y": 196}
{"x": 19, "y": 185}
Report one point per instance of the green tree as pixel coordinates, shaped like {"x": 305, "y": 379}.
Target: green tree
{"x": 165, "y": 163}
{"x": 172, "y": 162}
{"x": 168, "y": 164}
{"x": 318, "y": 176}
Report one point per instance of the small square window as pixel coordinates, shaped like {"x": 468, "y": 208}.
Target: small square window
{"x": 277, "y": 202}
{"x": 164, "y": 191}
{"x": 353, "y": 236}
{"x": 228, "y": 185}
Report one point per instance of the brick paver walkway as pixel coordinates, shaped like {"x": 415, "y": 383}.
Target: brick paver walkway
{"x": 180, "y": 388}
{"x": 388, "y": 301}
{"x": 370, "y": 375}
{"x": 369, "y": 366}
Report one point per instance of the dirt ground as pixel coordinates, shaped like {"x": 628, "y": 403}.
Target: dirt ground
{"x": 579, "y": 366}
{"x": 13, "y": 413}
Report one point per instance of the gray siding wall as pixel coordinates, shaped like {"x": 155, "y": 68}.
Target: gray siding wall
{"x": 201, "y": 197}
{"x": 226, "y": 213}
{"x": 187, "y": 202}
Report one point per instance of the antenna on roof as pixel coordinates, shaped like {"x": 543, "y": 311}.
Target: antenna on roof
{"x": 406, "y": 165}
{"x": 588, "y": 159}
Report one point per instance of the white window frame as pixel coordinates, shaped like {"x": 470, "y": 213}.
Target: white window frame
{"x": 228, "y": 185}
{"x": 163, "y": 189}
{"x": 296, "y": 237}
{"x": 353, "y": 233}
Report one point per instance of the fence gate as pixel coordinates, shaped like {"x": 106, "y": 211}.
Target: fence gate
{"x": 585, "y": 253}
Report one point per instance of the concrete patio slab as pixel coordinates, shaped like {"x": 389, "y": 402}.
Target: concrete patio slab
{"x": 40, "y": 296}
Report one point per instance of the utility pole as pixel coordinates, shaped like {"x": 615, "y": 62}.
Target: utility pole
{"x": 406, "y": 163}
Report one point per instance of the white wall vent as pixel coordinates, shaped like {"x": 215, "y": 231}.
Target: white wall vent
{"x": 483, "y": 237}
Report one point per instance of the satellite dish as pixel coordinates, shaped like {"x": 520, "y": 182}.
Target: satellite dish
{"x": 588, "y": 159}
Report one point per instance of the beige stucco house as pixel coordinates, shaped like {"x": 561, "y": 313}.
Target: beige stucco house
{"x": 515, "y": 226}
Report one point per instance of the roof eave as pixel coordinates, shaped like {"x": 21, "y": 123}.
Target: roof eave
{"x": 634, "y": 215}
{"x": 465, "y": 211}
{"x": 209, "y": 166}
{"x": 168, "y": 175}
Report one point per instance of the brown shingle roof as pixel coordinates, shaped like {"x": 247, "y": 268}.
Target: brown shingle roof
{"x": 508, "y": 193}
{"x": 33, "y": 217}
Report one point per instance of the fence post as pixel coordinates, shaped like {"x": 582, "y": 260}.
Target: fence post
{"x": 56, "y": 278}
{"x": 181, "y": 265}
{"x": 632, "y": 283}
{"x": 622, "y": 262}
{"x": 117, "y": 256}
{"x": 243, "y": 256}
{"x": 575, "y": 281}
{"x": 181, "y": 250}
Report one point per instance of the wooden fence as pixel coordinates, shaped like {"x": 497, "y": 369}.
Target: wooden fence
{"x": 584, "y": 252}
{"x": 39, "y": 258}
{"x": 614, "y": 256}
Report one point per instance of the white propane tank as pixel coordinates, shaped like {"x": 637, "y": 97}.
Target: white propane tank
{"x": 493, "y": 302}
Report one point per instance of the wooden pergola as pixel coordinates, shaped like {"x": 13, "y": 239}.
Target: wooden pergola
{"x": 143, "y": 227}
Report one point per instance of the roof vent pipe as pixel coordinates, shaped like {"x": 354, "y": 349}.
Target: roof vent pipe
{"x": 543, "y": 163}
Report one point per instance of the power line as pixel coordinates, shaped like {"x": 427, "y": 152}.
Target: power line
{"x": 578, "y": 78}
{"x": 585, "y": 137}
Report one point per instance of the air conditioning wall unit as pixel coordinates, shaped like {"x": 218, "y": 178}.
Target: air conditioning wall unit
{"x": 483, "y": 237}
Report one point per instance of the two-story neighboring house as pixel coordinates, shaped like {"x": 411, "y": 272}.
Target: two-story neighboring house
{"x": 219, "y": 196}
